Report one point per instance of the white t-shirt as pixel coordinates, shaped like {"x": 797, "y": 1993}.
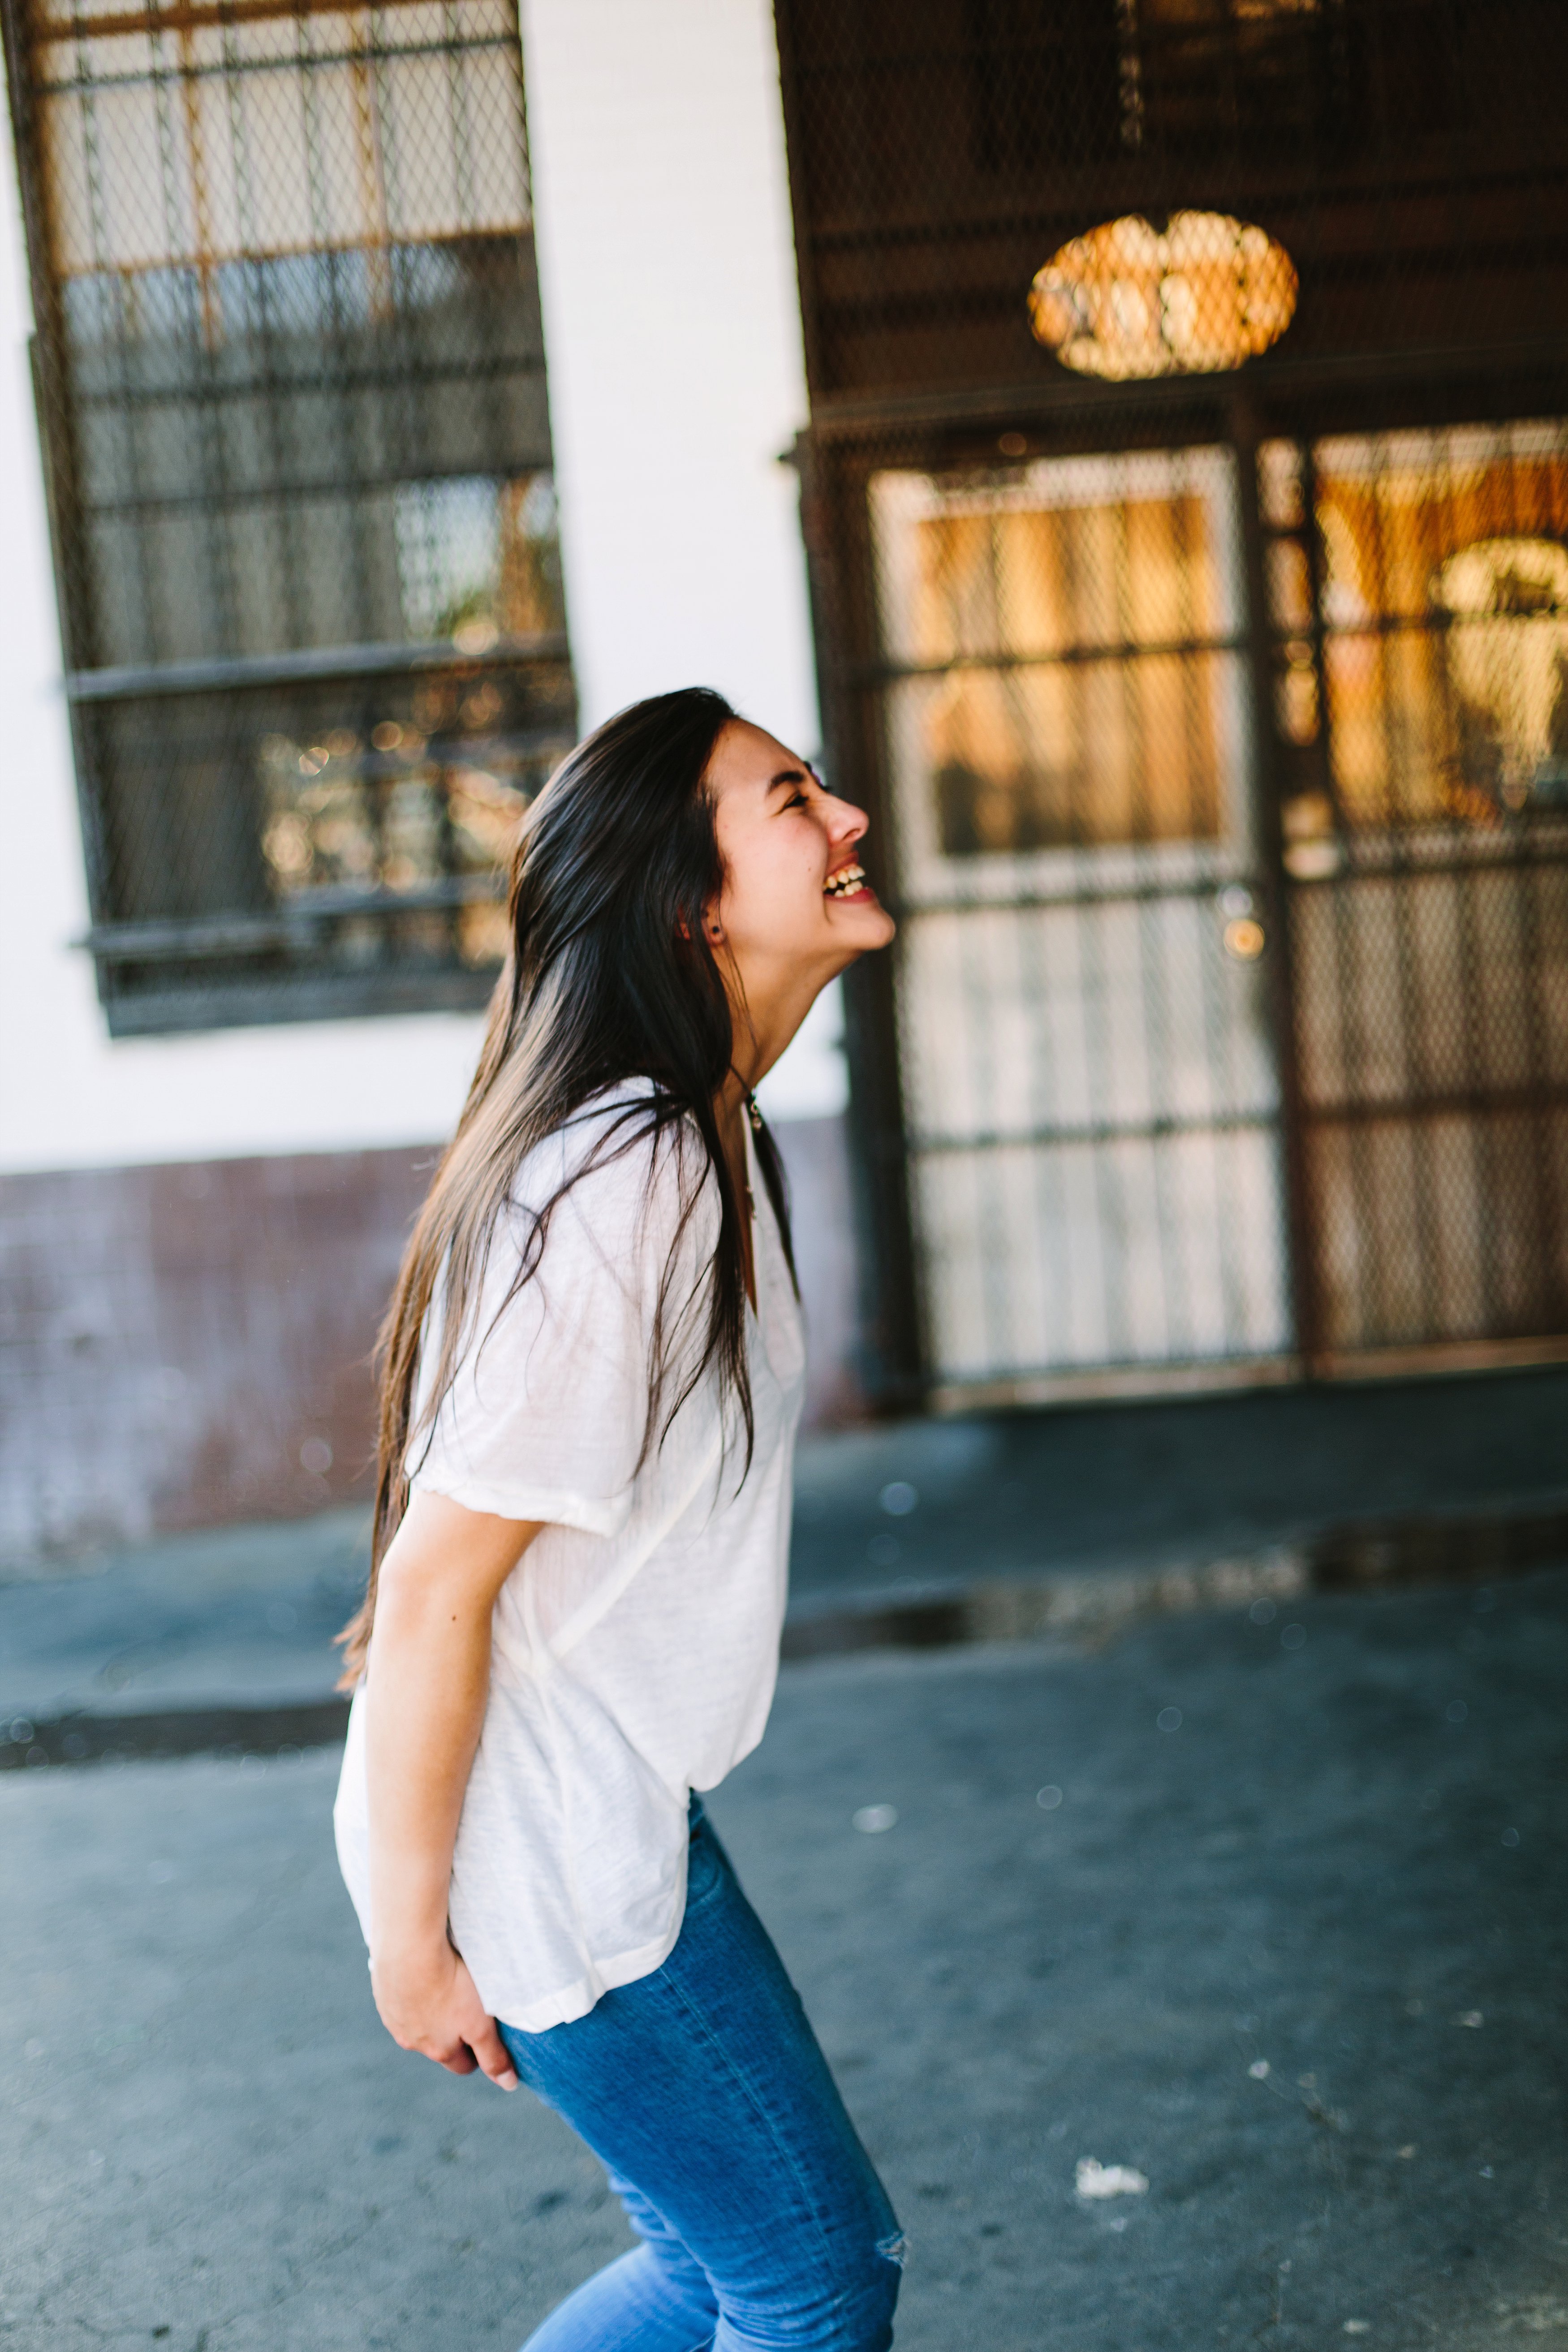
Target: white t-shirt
{"x": 634, "y": 1647}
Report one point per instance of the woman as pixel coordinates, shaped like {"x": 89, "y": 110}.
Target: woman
{"x": 592, "y": 1370}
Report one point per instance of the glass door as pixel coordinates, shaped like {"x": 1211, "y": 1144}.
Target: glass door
{"x": 1091, "y": 1099}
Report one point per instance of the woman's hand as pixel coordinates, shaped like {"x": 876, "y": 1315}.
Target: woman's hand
{"x": 427, "y": 2002}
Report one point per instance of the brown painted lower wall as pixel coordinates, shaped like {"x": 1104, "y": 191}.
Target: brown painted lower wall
{"x": 185, "y": 1346}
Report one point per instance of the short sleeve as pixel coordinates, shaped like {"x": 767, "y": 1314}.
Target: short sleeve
{"x": 546, "y": 1416}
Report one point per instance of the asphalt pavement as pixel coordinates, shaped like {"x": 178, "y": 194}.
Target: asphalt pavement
{"x": 1249, "y": 1889}
{"x": 1289, "y": 1947}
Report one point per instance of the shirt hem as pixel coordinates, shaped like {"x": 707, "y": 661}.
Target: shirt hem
{"x": 575, "y": 2000}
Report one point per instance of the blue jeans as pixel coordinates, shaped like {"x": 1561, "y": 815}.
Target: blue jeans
{"x": 703, "y": 2091}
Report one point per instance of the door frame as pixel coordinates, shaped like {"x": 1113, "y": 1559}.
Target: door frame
{"x": 847, "y": 442}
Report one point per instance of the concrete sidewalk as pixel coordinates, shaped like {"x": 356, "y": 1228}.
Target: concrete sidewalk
{"x": 1289, "y": 1942}
{"x": 887, "y": 1518}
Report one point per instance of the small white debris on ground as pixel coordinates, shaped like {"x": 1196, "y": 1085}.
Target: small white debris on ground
{"x": 1469, "y": 2016}
{"x": 1259, "y": 2070}
{"x": 1357, "y": 2326}
{"x": 1094, "y": 2179}
{"x": 873, "y": 1818}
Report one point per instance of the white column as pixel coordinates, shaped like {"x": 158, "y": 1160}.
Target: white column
{"x": 672, "y": 337}
{"x": 677, "y": 377}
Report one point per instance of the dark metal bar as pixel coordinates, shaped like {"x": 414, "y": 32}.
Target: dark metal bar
{"x": 1282, "y": 975}
{"x": 1066, "y": 657}
{"x": 148, "y": 680}
{"x": 231, "y": 935}
{"x": 1093, "y": 1132}
{"x": 228, "y": 70}
{"x": 317, "y": 990}
{"x": 231, "y": 499}
{"x": 1077, "y": 893}
{"x": 1437, "y": 623}
{"x": 1052, "y": 213}
{"x": 193, "y": 16}
{"x": 855, "y": 416}
{"x": 842, "y": 577}
{"x": 1474, "y": 853}
{"x": 297, "y": 387}
{"x": 1452, "y": 1102}
{"x": 58, "y": 425}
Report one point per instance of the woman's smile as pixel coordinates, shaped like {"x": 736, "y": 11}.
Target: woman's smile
{"x": 849, "y": 882}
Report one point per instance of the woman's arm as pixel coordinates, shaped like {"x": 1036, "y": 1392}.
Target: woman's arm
{"x": 428, "y": 1677}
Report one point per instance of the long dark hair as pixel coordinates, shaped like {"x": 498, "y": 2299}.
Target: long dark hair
{"x": 609, "y": 976}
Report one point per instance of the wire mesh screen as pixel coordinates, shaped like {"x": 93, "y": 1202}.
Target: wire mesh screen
{"x": 1181, "y": 181}
{"x": 1088, "y": 1077}
{"x": 1185, "y": 498}
{"x": 293, "y": 390}
{"x": 1418, "y": 590}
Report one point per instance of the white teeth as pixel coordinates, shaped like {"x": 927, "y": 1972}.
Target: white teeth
{"x": 847, "y": 878}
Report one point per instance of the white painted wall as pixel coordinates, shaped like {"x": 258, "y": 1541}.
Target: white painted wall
{"x": 672, "y": 335}
{"x": 672, "y": 338}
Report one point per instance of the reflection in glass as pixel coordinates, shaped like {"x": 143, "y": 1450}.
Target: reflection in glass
{"x": 1067, "y": 631}
{"x": 1445, "y": 605}
{"x": 1087, "y": 1072}
{"x": 1506, "y": 653}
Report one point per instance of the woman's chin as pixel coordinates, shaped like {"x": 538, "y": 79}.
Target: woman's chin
{"x": 862, "y": 920}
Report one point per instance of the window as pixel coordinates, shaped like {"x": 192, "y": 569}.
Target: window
{"x": 1418, "y": 587}
{"x": 292, "y": 387}
{"x": 1062, "y": 655}
{"x": 1084, "y": 1056}
{"x": 1418, "y": 605}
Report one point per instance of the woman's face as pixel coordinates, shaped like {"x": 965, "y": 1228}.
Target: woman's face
{"x": 795, "y": 907}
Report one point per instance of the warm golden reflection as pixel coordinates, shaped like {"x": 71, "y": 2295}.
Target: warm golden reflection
{"x": 1507, "y": 651}
{"x": 1126, "y": 301}
{"x": 1445, "y": 605}
{"x": 1083, "y": 607}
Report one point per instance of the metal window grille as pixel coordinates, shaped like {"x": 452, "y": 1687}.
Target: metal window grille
{"x": 1418, "y": 598}
{"x": 291, "y": 379}
{"x": 1185, "y": 500}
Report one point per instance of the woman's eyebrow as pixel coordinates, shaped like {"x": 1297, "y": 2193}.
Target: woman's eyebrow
{"x": 793, "y": 776}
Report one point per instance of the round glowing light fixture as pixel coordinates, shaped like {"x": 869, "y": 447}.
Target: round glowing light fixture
{"x": 1125, "y": 301}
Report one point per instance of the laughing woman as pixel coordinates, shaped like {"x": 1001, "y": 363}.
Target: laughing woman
{"x": 592, "y": 1371}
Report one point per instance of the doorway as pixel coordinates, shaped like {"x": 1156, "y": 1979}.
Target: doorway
{"x": 1091, "y": 1090}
